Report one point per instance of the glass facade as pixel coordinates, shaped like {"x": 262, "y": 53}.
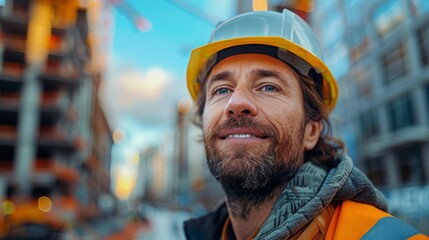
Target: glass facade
{"x": 423, "y": 43}
{"x": 427, "y": 98}
{"x": 364, "y": 83}
{"x": 369, "y": 124}
{"x": 358, "y": 42}
{"x": 387, "y": 16}
{"x": 410, "y": 164}
{"x": 395, "y": 63}
{"x": 400, "y": 112}
{"x": 376, "y": 171}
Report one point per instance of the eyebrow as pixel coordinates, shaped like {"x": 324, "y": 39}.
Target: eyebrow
{"x": 254, "y": 74}
{"x": 224, "y": 75}
{"x": 261, "y": 73}
{"x": 257, "y": 73}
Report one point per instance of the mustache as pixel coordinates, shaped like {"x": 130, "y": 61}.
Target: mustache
{"x": 245, "y": 122}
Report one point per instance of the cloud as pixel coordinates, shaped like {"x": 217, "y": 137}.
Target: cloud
{"x": 148, "y": 85}
{"x": 147, "y": 99}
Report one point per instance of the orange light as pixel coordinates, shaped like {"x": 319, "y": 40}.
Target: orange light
{"x": 39, "y": 33}
{"x": 45, "y": 204}
{"x": 183, "y": 106}
{"x": 125, "y": 182}
{"x": 7, "y": 207}
{"x": 119, "y": 135}
{"x": 260, "y": 5}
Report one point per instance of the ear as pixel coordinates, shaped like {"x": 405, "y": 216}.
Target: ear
{"x": 312, "y": 133}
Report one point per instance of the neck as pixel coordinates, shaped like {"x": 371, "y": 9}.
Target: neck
{"x": 247, "y": 217}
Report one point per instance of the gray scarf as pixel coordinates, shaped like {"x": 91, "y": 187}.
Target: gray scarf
{"x": 311, "y": 190}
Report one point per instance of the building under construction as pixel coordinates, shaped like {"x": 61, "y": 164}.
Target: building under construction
{"x": 378, "y": 52}
{"x": 55, "y": 140}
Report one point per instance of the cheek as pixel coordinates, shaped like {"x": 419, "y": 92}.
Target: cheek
{"x": 208, "y": 119}
{"x": 206, "y": 123}
{"x": 212, "y": 116}
{"x": 284, "y": 116}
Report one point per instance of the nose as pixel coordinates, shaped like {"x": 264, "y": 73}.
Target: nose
{"x": 240, "y": 104}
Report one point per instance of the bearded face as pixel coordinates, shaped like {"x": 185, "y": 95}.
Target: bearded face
{"x": 254, "y": 127}
{"x": 247, "y": 170}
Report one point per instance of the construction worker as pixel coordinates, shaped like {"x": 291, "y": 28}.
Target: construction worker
{"x": 263, "y": 95}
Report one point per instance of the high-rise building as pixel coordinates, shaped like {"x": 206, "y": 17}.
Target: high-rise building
{"x": 54, "y": 137}
{"x": 194, "y": 186}
{"x": 378, "y": 51}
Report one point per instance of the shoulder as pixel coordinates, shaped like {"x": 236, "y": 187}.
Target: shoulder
{"x": 354, "y": 220}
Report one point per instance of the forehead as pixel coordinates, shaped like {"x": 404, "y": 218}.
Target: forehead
{"x": 251, "y": 61}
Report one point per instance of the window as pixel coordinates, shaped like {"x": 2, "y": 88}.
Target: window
{"x": 353, "y": 17}
{"x": 364, "y": 83}
{"x": 419, "y": 7}
{"x": 410, "y": 165}
{"x": 427, "y": 98}
{"x": 21, "y": 8}
{"x": 369, "y": 124}
{"x": 400, "y": 112}
{"x": 423, "y": 38}
{"x": 388, "y": 16}
{"x": 358, "y": 42}
{"x": 394, "y": 63}
{"x": 376, "y": 171}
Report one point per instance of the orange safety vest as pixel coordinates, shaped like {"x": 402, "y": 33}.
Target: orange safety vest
{"x": 353, "y": 220}
{"x": 349, "y": 220}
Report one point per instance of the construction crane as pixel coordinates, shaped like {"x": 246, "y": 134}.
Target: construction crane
{"x": 124, "y": 7}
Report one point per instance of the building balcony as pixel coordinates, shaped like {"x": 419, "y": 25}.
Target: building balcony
{"x": 6, "y": 166}
{"x": 13, "y": 41}
{"x": 55, "y": 138}
{"x": 54, "y": 100}
{"x": 59, "y": 170}
{"x": 9, "y": 100}
{"x": 13, "y": 69}
{"x": 8, "y": 132}
{"x": 60, "y": 75}
{"x": 53, "y": 132}
{"x": 10, "y": 89}
{"x": 10, "y": 80}
{"x": 392, "y": 140}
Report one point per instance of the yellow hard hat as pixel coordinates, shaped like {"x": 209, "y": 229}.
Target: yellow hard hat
{"x": 284, "y": 35}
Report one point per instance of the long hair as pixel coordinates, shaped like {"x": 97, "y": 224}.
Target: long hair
{"x": 327, "y": 147}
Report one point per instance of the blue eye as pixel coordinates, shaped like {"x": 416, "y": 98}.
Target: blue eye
{"x": 269, "y": 88}
{"x": 222, "y": 91}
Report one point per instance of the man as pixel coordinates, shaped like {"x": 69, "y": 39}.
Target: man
{"x": 263, "y": 95}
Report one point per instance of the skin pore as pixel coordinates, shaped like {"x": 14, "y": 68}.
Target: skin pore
{"x": 255, "y": 134}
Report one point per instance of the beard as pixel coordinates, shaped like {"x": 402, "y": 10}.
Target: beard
{"x": 251, "y": 175}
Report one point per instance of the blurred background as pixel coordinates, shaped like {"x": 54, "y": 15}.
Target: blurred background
{"x": 96, "y": 133}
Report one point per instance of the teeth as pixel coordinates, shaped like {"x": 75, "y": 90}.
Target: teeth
{"x": 240, "y": 136}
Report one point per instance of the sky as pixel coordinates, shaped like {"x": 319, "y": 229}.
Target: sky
{"x": 146, "y": 72}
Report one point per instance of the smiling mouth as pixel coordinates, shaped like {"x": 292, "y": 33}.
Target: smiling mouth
{"x": 242, "y": 135}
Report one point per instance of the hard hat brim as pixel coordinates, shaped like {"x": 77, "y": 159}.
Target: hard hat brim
{"x": 200, "y": 56}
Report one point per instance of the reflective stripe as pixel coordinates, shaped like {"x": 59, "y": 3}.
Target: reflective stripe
{"x": 389, "y": 228}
